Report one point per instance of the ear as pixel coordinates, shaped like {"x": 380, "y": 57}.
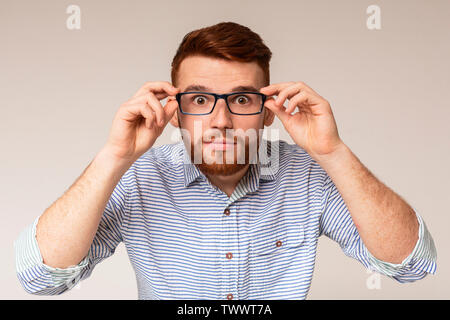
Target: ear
{"x": 174, "y": 120}
{"x": 268, "y": 117}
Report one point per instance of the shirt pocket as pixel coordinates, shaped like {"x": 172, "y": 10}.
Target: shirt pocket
{"x": 272, "y": 255}
{"x": 278, "y": 241}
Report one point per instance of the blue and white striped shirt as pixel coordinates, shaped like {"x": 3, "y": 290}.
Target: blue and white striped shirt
{"x": 187, "y": 239}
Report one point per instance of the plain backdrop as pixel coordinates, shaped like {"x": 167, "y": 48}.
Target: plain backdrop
{"x": 389, "y": 90}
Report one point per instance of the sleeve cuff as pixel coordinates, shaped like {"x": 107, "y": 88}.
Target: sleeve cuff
{"x": 423, "y": 256}
{"x": 28, "y": 257}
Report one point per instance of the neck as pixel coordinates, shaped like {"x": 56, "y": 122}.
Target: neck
{"x": 227, "y": 183}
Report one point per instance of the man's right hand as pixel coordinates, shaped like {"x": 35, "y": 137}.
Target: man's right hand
{"x": 140, "y": 121}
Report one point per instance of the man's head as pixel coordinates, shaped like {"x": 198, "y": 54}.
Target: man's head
{"x": 223, "y": 58}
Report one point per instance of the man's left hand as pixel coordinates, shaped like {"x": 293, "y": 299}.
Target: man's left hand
{"x": 313, "y": 127}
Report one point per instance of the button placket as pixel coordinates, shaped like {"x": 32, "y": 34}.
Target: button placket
{"x": 230, "y": 253}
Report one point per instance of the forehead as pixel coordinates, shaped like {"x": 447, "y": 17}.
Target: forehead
{"x": 218, "y": 74}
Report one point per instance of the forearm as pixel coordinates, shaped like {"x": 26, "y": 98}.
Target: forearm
{"x": 67, "y": 228}
{"x": 386, "y": 223}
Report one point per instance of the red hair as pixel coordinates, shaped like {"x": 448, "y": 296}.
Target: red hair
{"x": 225, "y": 40}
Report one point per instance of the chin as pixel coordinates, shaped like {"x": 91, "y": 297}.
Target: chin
{"x": 223, "y": 169}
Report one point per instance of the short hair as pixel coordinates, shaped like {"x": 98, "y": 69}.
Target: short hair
{"x": 224, "y": 40}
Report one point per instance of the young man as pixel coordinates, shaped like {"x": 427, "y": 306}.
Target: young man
{"x": 218, "y": 215}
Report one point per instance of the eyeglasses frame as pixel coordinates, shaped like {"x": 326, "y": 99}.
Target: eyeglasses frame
{"x": 221, "y": 96}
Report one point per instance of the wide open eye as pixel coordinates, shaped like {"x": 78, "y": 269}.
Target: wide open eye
{"x": 241, "y": 99}
{"x": 200, "y": 99}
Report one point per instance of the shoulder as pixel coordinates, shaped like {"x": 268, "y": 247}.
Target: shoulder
{"x": 294, "y": 160}
{"x": 290, "y": 153}
{"x": 167, "y": 153}
{"x": 159, "y": 160}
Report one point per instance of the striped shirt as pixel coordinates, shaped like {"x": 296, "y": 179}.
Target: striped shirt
{"x": 186, "y": 239}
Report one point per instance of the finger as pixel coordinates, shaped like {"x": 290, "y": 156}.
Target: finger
{"x": 276, "y": 109}
{"x": 157, "y": 108}
{"x": 305, "y": 87}
{"x": 133, "y": 112}
{"x": 145, "y": 97}
{"x": 287, "y": 93}
{"x": 297, "y": 100}
{"x": 149, "y": 115}
{"x": 275, "y": 88}
{"x": 169, "y": 109}
{"x": 157, "y": 87}
{"x": 149, "y": 121}
{"x": 139, "y": 99}
{"x": 152, "y": 101}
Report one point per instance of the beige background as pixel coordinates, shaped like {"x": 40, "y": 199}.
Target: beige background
{"x": 389, "y": 90}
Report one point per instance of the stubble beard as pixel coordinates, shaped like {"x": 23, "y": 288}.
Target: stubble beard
{"x": 224, "y": 166}
{"x": 221, "y": 166}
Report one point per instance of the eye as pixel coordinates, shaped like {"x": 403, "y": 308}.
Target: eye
{"x": 241, "y": 99}
{"x": 200, "y": 99}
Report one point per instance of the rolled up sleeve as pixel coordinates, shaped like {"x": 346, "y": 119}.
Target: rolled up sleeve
{"x": 421, "y": 261}
{"x": 337, "y": 224}
{"x": 38, "y": 278}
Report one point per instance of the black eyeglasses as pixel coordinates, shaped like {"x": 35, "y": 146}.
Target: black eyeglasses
{"x": 202, "y": 103}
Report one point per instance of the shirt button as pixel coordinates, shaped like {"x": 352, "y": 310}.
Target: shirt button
{"x": 227, "y": 212}
{"x": 229, "y": 255}
{"x": 229, "y": 296}
{"x": 279, "y": 243}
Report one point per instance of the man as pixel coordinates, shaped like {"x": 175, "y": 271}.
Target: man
{"x": 213, "y": 217}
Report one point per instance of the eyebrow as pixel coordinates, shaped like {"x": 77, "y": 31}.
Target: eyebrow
{"x": 197, "y": 87}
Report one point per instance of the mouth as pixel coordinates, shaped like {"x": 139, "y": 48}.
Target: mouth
{"x": 219, "y": 144}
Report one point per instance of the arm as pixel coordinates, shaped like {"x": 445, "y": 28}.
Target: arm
{"x": 387, "y": 225}
{"x": 66, "y": 229}
{"x": 336, "y": 222}
{"x": 83, "y": 225}
{"x": 38, "y": 278}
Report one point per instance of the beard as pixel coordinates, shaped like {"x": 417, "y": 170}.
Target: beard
{"x": 222, "y": 162}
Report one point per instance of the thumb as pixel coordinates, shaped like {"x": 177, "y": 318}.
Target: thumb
{"x": 277, "y": 110}
{"x": 169, "y": 109}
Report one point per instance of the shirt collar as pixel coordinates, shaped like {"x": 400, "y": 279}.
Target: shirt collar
{"x": 191, "y": 172}
{"x": 266, "y": 167}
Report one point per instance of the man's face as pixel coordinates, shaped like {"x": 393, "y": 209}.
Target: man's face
{"x": 207, "y": 133}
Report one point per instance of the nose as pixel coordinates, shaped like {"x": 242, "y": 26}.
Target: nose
{"x": 221, "y": 116}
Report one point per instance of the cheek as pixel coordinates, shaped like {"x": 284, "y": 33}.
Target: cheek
{"x": 252, "y": 126}
{"x": 250, "y": 122}
{"x": 193, "y": 126}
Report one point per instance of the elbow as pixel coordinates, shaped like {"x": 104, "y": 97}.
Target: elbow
{"x": 39, "y": 284}
{"x": 408, "y": 278}
{"x": 34, "y": 289}
{"x": 416, "y": 272}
